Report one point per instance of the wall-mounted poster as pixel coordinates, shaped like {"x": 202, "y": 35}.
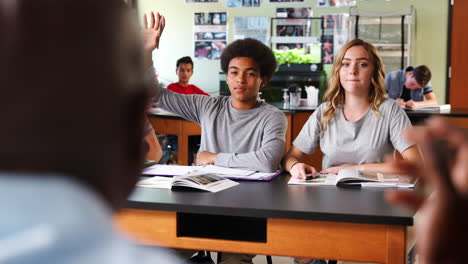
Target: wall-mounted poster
{"x": 327, "y": 49}
{"x": 335, "y": 3}
{"x": 285, "y": 1}
{"x": 201, "y": 1}
{"x": 294, "y": 12}
{"x": 335, "y": 35}
{"x": 252, "y": 27}
{"x": 292, "y": 24}
{"x": 243, "y": 3}
{"x": 210, "y": 34}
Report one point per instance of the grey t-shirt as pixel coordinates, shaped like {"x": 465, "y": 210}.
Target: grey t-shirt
{"x": 249, "y": 139}
{"x": 366, "y": 140}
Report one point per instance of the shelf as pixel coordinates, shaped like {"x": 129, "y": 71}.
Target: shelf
{"x": 278, "y": 39}
{"x": 396, "y": 45}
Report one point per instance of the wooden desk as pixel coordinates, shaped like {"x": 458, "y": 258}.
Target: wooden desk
{"x": 173, "y": 125}
{"x": 311, "y": 221}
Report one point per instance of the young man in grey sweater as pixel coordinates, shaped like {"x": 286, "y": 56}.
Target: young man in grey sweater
{"x": 237, "y": 131}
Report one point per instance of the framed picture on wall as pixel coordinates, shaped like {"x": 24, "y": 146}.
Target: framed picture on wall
{"x": 285, "y": 1}
{"x": 210, "y": 34}
{"x": 335, "y": 3}
{"x": 252, "y": 27}
{"x": 243, "y": 3}
{"x": 201, "y": 1}
{"x": 294, "y": 12}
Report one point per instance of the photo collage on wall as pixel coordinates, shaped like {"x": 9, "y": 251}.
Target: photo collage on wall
{"x": 285, "y": 1}
{"x": 335, "y": 3}
{"x": 292, "y": 25}
{"x": 252, "y": 27}
{"x": 210, "y": 34}
{"x": 243, "y": 3}
{"x": 201, "y": 1}
{"x": 335, "y": 35}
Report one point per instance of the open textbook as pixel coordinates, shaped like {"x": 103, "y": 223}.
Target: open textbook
{"x": 353, "y": 177}
{"x": 234, "y": 174}
{"x": 198, "y": 180}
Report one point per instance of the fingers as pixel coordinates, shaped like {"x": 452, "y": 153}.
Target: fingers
{"x": 312, "y": 171}
{"x": 157, "y": 21}
{"x": 152, "y": 20}
{"x": 300, "y": 171}
{"x": 435, "y": 170}
{"x": 145, "y": 21}
{"x": 329, "y": 170}
{"x": 457, "y": 154}
{"x": 162, "y": 25}
{"x": 408, "y": 199}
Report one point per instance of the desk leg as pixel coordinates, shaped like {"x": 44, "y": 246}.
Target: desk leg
{"x": 182, "y": 150}
{"x": 396, "y": 244}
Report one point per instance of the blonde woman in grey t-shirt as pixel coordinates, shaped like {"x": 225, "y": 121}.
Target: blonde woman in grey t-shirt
{"x": 357, "y": 125}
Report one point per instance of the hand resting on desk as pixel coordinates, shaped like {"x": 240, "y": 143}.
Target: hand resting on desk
{"x": 206, "y": 158}
{"x": 302, "y": 171}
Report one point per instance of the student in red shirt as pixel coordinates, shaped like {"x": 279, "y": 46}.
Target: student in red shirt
{"x": 184, "y": 71}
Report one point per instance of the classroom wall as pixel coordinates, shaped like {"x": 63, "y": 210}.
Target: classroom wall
{"x": 430, "y": 43}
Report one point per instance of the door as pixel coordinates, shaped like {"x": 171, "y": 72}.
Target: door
{"x": 458, "y": 93}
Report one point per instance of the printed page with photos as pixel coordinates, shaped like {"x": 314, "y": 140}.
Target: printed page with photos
{"x": 353, "y": 177}
{"x": 197, "y": 179}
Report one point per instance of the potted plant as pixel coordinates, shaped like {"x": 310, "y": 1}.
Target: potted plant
{"x": 296, "y": 60}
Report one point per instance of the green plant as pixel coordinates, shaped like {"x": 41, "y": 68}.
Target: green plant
{"x": 295, "y": 56}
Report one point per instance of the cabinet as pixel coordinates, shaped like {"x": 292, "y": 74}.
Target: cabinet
{"x": 391, "y": 32}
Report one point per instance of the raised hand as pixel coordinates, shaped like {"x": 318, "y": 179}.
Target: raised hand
{"x": 152, "y": 32}
{"x": 441, "y": 227}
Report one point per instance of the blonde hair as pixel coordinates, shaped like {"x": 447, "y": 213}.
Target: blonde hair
{"x": 335, "y": 92}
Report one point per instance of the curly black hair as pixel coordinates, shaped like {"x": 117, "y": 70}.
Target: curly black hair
{"x": 250, "y": 48}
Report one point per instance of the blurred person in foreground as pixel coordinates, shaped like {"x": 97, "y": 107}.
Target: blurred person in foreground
{"x": 441, "y": 225}
{"x": 72, "y": 105}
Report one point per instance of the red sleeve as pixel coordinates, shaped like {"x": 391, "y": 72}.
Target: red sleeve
{"x": 199, "y": 91}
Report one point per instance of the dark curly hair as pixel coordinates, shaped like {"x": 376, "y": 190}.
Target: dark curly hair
{"x": 250, "y": 48}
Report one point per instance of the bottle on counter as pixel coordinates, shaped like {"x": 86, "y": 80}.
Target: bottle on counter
{"x": 285, "y": 98}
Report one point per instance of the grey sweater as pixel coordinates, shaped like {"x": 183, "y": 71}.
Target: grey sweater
{"x": 247, "y": 139}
